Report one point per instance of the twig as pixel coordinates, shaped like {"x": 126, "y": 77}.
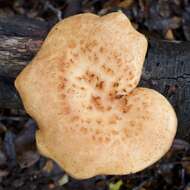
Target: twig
{"x": 58, "y": 13}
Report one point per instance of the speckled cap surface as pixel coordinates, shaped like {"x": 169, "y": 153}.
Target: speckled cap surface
{"x": 81, "y": 90}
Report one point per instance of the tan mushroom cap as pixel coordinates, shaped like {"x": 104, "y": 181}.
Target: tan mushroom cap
{"x": 81, "y": 90}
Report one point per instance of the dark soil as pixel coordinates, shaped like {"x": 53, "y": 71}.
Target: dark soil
{"x": 23, "y": 168}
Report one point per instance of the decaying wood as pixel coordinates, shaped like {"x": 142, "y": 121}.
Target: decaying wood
{"x": 167, "y": 70}
{"x": 167, "y": 67}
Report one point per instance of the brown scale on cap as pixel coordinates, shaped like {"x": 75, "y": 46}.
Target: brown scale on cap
{"x": 84, "y": 130}
{"x": 81, "y": 90}
{"x": 97, "y": 102}
{"x": 107, "y": 70}
{"x": 100, "y": 85}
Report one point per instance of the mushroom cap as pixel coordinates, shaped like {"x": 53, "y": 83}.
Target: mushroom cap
{"x": 81, "y": 90}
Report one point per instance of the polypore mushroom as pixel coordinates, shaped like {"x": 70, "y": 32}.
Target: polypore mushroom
{"x": 81, "y": 90}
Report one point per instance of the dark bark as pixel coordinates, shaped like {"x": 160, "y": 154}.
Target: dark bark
{"x": 20, "y": 38}
{"x": 167, "y": 70}
{"x": 20, "y": 26}
{"x": 167, "y": 66}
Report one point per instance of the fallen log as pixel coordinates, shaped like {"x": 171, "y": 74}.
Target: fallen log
{"x": 166, "y": 69}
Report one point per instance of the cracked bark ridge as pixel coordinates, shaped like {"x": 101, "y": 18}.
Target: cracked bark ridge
{"x": 166, "y": 69}
{"x": 20, "y": 38}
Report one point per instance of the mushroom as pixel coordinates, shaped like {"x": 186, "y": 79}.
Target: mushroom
{"x": 81, "y": 88}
